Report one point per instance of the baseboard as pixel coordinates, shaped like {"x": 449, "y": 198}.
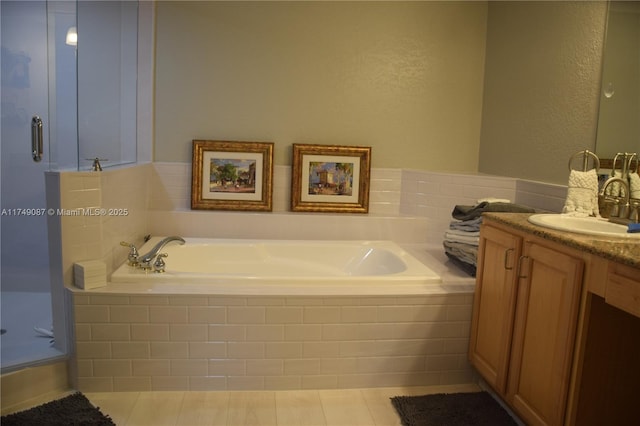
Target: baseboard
{"x": 33, "y": 385}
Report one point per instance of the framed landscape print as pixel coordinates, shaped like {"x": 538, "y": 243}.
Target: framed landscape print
{"x": 329, "y": 178}
{"x": 232, "y": 175}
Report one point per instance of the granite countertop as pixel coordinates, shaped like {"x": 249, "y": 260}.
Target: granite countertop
{"x": 625, "y": 251}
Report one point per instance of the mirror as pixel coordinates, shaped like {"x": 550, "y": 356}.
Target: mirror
{"x": 619, "y": 118}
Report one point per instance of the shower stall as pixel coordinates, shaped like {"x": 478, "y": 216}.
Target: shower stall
{"x": 69, "y": 75}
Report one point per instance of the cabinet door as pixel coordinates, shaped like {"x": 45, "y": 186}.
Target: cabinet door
{"x": 544, "y": 333}
{"x": 494, "y": 305}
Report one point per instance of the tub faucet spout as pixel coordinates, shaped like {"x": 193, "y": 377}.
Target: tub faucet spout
{"x": 147, "y": 259}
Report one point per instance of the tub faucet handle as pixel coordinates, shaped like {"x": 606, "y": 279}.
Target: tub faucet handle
{"x": 159, "y": 265}
{"x": 132, "y": 258}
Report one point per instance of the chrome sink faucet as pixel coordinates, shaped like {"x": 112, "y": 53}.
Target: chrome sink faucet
{"x": 621, "y": 205}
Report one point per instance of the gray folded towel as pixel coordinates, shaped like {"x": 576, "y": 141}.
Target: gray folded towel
{"x": 472, "y": 212}
{"x": 470, "y": 225}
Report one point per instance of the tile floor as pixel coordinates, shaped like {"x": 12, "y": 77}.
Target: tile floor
{"x": 348, "y": 407}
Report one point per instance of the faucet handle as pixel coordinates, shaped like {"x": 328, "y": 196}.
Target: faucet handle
{"x": 132, "y": 258}
{"x": 159, "y": 264}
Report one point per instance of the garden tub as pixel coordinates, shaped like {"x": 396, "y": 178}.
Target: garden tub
{"x": 237, "y": 266}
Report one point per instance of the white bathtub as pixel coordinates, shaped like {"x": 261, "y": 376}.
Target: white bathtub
{"x": 228, "y": 266}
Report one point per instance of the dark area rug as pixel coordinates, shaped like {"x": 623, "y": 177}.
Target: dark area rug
{"x": 454, "y": 409}
{"x": 72, "y": 410}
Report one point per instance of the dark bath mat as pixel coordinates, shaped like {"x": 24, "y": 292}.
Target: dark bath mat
{"x": 72, "y": 410}
{"x": 454, "y": 409}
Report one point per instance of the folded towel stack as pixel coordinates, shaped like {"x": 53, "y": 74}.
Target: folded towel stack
{"x": 462, "y": 239}
{"x": 582, "y": 194}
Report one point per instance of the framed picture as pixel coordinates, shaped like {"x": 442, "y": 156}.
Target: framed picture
{"x": 232, "y": 175}
{"x": 327, "y": 178}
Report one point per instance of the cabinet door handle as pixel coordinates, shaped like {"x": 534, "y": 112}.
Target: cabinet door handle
{"x": 520, "y": 268}
{"x": 506, "y": 259}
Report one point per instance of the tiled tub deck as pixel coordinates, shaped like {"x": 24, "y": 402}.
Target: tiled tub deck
{"x": 142, "y": 342}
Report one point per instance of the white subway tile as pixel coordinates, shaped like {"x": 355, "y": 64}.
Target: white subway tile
{"x": 207, "y": 350}
{"x": 168, "y": 315}
{"x": 284, "y": 315}
{"x": 150, "y": 332}
{"x": 283, "y": 350}
{"x": 90, "y": 314}
{"x": 110, "y": 332}
{"x": 128, "y": 314}
{"x": 112, "y": 368}
{"x": 93, "y": 350}
{"x": 245, "y": 350}
{"x": 321, "y": 315}
{"x": 264, "y": 367}
{"x": 302, "y": 367}
{"x": 245, "y": 315}
{"x": 150, "y": 367}
{"x": 227, "y": 367}
{"x": 227, "y": 333}
{"x": 130, "y": 350}
{"x": 189, "y": 367}
{"x": 304, "y": 332}
{"x": 265, "y": 333}
{"x": 207, "y": 314}
{"x": 321, "y": 349}
{"x": 188, "y": 332}
{"x": 169, "y": 350}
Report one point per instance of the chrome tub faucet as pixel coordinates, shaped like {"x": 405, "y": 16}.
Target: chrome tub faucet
{"x": 146, "y": 261}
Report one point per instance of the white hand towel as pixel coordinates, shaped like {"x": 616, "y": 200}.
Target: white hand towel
{"x": 582, "y": 194}
{"x": 634, "y": 184}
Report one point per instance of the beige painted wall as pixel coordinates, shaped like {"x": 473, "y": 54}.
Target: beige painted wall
{"x": 403, "y": 77}
{"x": 407, "y": 78}
{"x": 542, "y": 81}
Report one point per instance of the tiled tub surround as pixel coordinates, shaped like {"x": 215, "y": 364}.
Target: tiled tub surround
{"x": 182, "y": 342}
{"x": 406, "y": 206}
{"x": 128, "y": 341}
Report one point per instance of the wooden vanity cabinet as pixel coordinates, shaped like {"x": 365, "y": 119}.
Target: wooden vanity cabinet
{"x": 547, "y": 304}
{"x": 494, "y": 306}
{"x": 524, "y": 322}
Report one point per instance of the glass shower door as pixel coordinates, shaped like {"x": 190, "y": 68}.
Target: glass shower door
{"x": 24, "y": 274}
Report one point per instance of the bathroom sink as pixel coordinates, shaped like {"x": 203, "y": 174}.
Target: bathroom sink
{"x": 582, "y": 225}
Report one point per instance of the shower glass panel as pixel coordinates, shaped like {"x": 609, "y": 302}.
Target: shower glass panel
{"x": 73, "y": 64}
{"x": 107, "y": 82}
{"x": 38, "y": 79}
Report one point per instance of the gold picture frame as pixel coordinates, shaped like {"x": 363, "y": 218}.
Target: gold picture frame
{"x": 330, "y": 178}
{"x": 229, "y": 175}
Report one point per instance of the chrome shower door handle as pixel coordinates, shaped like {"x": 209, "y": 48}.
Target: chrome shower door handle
{"x": 37, "y": 144}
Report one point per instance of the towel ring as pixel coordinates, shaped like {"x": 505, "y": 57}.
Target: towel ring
{"x": 585, "y": 160}
{"x": 627, "y": 159}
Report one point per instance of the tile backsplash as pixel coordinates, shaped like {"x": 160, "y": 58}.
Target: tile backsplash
{"x": 172, "y": 188}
